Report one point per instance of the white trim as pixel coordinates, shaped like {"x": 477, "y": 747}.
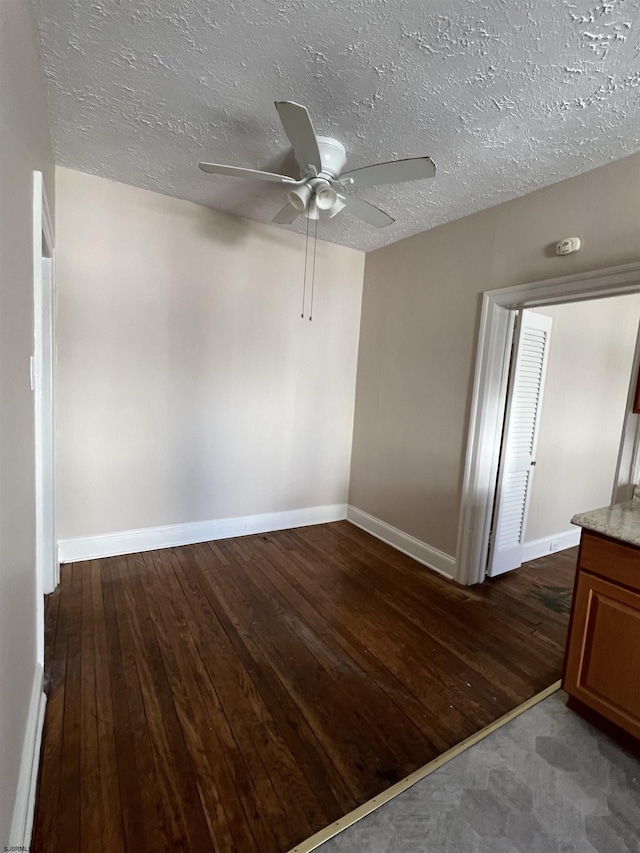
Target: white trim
{"x": 440, "y": 562}
{"x": 550, "y": 544}
{"x": 23, "y": 810}
{"x": 489, "y": 397}
{"x": 483, "y": 452}
{"x": 173, "y": 535}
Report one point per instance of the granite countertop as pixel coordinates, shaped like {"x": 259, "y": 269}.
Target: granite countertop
{"x": 619, "y": 521}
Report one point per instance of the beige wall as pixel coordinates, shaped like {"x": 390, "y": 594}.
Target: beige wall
{"x": 24, "y": 146}
{"x": 588, "y": 374}
{"x": 189, "y": 388}
{"x": 420, "y": 315}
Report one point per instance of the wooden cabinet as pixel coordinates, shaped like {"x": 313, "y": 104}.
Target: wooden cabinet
{"x": 602, "y": 663}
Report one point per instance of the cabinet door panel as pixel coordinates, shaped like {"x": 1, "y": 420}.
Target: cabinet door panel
{"x": 603, "y": 656}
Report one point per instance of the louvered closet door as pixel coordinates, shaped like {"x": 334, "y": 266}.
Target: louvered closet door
{"x": 517, "y": 458}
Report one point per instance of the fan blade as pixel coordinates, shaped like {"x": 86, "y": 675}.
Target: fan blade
{"x": 395, "y": 172}
{"x": 239, "y": 172}
{"x": 297, "y": 125}
{"x": 367, "y": 212}
{"x": 286, "y": 215}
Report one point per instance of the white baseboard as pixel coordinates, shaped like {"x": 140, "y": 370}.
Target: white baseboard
{"x": 440, "y": 562}
{"x": 550, "y": 544}
{"x": 23, "y": 811}
{"x": 173, "y": 535}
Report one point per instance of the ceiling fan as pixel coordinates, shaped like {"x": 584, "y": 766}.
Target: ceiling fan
{"x": 321, "y": 160}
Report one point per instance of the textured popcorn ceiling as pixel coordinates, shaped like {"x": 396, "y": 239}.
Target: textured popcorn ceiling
{"x": 505, "y": 95}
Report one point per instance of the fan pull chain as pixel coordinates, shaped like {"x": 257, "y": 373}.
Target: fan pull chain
{"x": 304, "y": 281}
{"x": 313, "y": 273}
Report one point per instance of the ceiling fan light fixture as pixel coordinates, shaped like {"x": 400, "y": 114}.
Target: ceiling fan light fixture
{"x": 326, "y": 197}
{"x": 299, "y": 198}
{"x": 338, "y": 205}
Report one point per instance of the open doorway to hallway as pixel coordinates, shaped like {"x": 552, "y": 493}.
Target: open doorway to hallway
{"x": 489, "y": 394}
{"x": 569, "y": 389}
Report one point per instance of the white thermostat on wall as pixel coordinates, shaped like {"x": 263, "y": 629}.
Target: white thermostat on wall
{"x": 567, "y": 246}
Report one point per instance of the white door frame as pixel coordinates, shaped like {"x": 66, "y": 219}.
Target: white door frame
{"x": 47, "y": 569}
{"x": 490, "y": 393}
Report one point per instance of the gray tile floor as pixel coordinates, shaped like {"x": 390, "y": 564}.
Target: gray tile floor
{"x": 547, "y": 782}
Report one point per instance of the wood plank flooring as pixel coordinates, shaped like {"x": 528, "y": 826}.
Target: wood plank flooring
{"x": 243, "y": 694}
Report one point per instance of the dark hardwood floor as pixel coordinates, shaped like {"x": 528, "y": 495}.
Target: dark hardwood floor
{"x": 243, "y": 694}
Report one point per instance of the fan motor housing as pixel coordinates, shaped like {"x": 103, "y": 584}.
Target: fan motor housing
{"x": 333, "y": 155}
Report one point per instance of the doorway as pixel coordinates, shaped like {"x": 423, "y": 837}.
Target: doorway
{"x": 499, "y": 308}
{"x": 568, "y": 390}
{"x": 47, "y": 569}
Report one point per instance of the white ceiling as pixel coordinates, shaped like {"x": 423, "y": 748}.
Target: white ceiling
{"x": 505, "y": 95}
